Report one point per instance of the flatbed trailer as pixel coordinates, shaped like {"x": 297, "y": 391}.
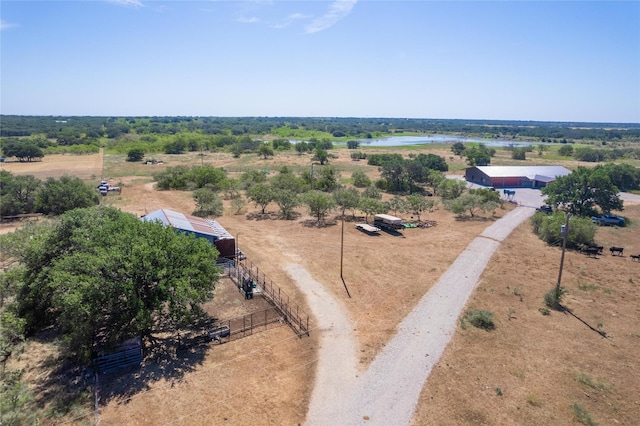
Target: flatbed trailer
{"x": 367, "y": 228}
{"x": 385, "y": 221}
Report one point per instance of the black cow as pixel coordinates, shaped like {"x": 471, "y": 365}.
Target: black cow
{"x": 615, "y": 250}
{"x": 635, "y": 257}
{"x": 592, "y": 251}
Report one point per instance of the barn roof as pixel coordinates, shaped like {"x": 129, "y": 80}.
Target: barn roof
{"x": 539, "y": 173}
{"x": 189, "y": 223}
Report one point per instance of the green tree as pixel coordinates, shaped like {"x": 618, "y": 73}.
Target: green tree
{"x": 372, "y": 206}
{"x": 353, "y": 144}
{"x": 624, "y": 176}
{"x": 265, "y": 151}
{"x": 103, "y": 272}
{"x": 397, "y": 204}
{"x": 451, "y": 188}
{"x": 207, "y": 175}
{"x": 393, "y": 172}
{"x": 236, "y": 150}
{"x": 208, "y": 203}
{"x": 457, "y": 148}
{"x": 360, "y": 179}
{"x": 302, "y": 147}
{"x": 347, "y": 198}
{"x": 372, "y": 192}
{"x": 231, "y": 188}
{"x": 565, "y": 150}
{"x": 479, "y": 156}
{"x": 17, "y": 193}
{"x": 519, "y": 154}
{"x": 57, "y": 196}
{"x": 464, "y": 203}
{"x": 237, "y": 204}
{"x": 328, "y": 180}
{"x": 417, "y": 204}
{"x": 433, "y": 162}
{"x": 321, "y": 155}
{"x": 582, "y": 191}
{"x": 289, "y": 182}
{"x": 434, "y": 179}
{"x": 135, "y": 154}
{"x": 253, "y": 177}
{"x": 176, "y": 146}
{"x": 319, "y": 203}
{"x": 23, "y": 150}
{"x": 261, "y": 194}
{"x": 287, "y": 200}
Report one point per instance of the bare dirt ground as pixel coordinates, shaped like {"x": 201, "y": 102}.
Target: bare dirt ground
{"x": 86, "y": 167}
{"x": 538, "y": 362}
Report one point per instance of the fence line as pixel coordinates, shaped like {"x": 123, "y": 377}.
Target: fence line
{"x": 294, "y": 316}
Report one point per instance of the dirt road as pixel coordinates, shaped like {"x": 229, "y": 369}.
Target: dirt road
{"x": 387, "y": 393}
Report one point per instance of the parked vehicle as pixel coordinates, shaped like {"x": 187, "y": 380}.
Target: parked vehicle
{"x": 608, "y": 219}
{"x": 545, "y": 209}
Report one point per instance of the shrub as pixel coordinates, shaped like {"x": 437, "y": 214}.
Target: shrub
{"x": 360, "y": 179}
{"x": 135, "y": 154}
{"x": 480, "y": 318}
{"x": 553, "y": 298}
{"x": 549, "y": 228}
{"x": 582, "y": 416}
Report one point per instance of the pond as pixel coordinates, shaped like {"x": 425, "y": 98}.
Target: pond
{"x": 419, "y": 140}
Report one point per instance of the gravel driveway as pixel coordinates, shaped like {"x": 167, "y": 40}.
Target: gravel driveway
{"x": 387, "y": 393}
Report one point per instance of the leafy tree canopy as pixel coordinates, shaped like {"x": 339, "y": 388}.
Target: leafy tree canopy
{"x": 57, "y": 196}
{"x": 346, "y": 198}
{"x": 101, "y": 274}
{"x": 584, "y": 190}
{"x": 319, "y": 203}
{"x": 135, "y": 154}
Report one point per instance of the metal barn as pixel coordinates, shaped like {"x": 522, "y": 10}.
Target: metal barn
{"x": 200, "y": 227}
{"x": 514, "y": 176}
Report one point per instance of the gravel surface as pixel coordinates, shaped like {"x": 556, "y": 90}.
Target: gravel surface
{"x": 387, "y": 393}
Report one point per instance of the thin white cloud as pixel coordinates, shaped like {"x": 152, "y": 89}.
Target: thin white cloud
{"x": 289, "y": 20}
{"x": 128, "y": 3}
{"x": 338, "y": 10}
{"x": 6, "y": 25}
{"x": 248, "y": 20}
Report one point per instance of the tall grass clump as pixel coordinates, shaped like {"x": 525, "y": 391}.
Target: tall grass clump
{"x": 480, "y": 318}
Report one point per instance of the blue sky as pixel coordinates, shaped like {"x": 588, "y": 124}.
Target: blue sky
{"x": 511, "y": 60}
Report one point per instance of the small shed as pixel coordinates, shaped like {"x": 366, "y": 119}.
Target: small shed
{"x": 200, "y": 227}
{"x": 514, "y": 176}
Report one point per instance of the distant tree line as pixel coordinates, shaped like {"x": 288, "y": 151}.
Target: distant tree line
{"x": 71, "y": 129}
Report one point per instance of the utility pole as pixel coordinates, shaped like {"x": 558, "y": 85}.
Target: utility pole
{"x": 341, "y": 257}
{"x": 565, "y": 232}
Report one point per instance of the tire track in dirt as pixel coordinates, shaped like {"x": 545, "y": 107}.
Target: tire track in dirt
{"x": 388, "y": 392}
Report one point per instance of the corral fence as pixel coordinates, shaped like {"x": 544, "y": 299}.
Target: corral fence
{"x": 245, "y": 325}
{"x": 291, "y": 314}
{"x": 124, "y": 355}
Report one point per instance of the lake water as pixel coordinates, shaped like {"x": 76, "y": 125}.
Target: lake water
{"x": 419, "y": 140}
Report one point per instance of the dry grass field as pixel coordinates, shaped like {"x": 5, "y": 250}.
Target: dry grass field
{"x": 532, "y": 369}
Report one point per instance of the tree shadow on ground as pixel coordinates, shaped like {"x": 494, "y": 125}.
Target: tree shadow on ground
{"x": 261, "y": 216}
{"x": 313, "y": 223}
{"x": 476, "y": 219}
{"x": 167, "y": 356}
{"x": 349, "y": 218}
{"x": 62, "y": 386}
